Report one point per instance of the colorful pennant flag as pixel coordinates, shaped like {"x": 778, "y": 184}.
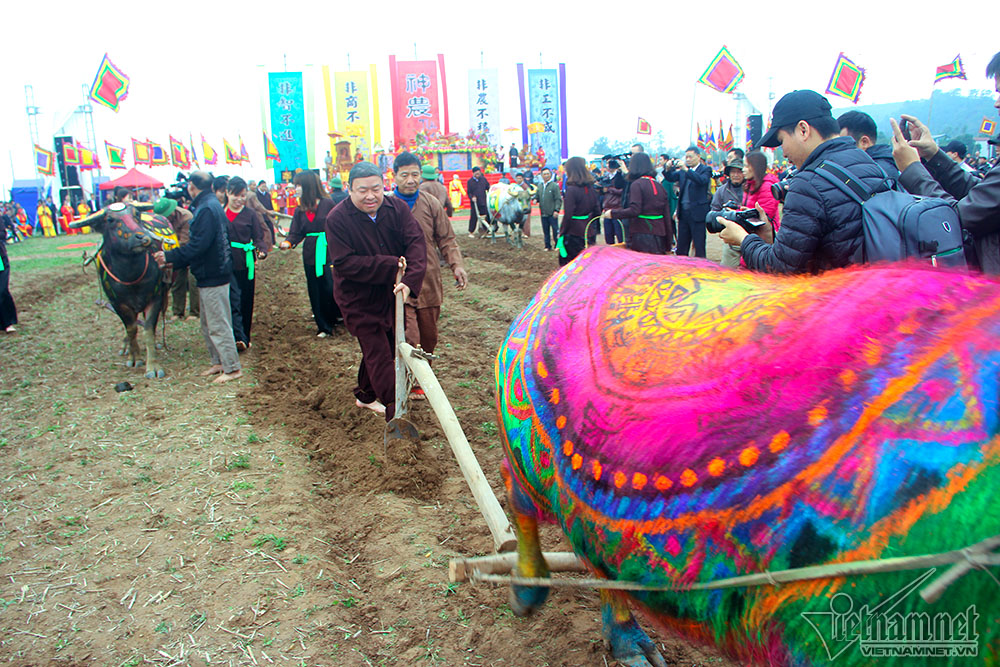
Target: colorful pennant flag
{"x": 142, "y": 153}
{"x": 729, "y": 143}
{"x": 710, "y": 143}
{"x": 110, "y": 85}
{"x": 643, "y": 126}
{"x": 193, "y": 155}
{"x": 211, "y": 157}
{"x": 45, "y": 161}
{"x": 244, "y": 156}
{"x": 232, "y": 157}
{"x": 178, "y": 154}
{"x": 701, "y": 139}
{"x": 88, "y": 158}
{"x": 723, "y": 73}
{"x": 270, "y": 150}
{"x": 116, "y": 155}
{"x": 71, "y": 156}
{"x": 846, "y": 80}
{"x": 987, "y": 127}
{"x": 157, "y": 156}
{"x": 953, "y": 70}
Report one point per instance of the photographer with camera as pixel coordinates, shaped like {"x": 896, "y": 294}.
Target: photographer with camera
{"x": 693, "y": 178}
{"x": 821, "y": 224}
{"x": 730, "y": 192}
{"x": 647, "y": 209}
{"x": 926, "y": 170}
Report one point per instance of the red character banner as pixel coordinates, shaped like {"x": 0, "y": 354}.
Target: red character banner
{"x": 415, "y": 106}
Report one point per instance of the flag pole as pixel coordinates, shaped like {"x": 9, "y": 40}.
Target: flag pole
{"x": 694, "y": 94}
{"x": 930, "y": 108}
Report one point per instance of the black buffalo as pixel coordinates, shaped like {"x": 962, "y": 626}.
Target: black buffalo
{"x": 129, "y": 275}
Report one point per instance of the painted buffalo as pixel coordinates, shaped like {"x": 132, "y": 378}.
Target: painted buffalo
{"x": 685, "y": 423}
{"x": 128, "y": 274}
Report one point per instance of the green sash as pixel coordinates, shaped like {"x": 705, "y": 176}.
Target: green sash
{"x": 320, "y": 252}
{"x": 651, "y": 217}
{"x": 248, "y": 248}
{"x": 1, "y": 264}
{"x": 561, "y": 247}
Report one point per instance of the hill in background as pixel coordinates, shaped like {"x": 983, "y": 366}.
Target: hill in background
{"x": 954, "y": 115}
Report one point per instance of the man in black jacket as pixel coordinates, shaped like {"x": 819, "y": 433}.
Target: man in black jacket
{"x": 861, "y": 127}
{"x": 820, "y": 225}
{"x": 692, "y": 177}
{"x": 476, "y": 188}
{"x": 978, "y": 201}
{"x": 208, "y": 254}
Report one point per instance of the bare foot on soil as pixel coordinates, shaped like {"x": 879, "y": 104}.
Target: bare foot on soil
{"x": 374, "y": 406}
{"x": 226, "y": 377}
{"x": 214, "y": 370}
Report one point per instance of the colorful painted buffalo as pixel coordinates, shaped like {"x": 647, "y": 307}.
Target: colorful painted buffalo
{"x": 130, "y": 278}
{"x": 685, "y": 423}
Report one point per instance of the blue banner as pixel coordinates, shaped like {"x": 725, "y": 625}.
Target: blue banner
{"x": 543, "y": 102}
{"x": 288, "y": 121}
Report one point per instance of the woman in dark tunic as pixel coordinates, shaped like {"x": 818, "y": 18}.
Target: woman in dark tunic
{"x": 580, "y": 206}
{"x": 8, "y": 311}
{"x": 647, "y": 209}
{"x": 249, "y": 239}
{"x": 309, "y": 224}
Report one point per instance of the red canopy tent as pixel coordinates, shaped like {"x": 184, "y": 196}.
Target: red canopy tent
{"x": 133, "y": 178}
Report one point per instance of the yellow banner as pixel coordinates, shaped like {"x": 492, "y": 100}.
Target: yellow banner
{"x": 353, "y": 115}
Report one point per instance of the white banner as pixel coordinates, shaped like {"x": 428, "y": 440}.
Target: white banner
{"x": 484, "y": 103}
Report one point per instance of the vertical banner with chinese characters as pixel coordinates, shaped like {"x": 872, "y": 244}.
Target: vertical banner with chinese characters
{"x": 543, "y": 113}
{"x": 350, "y": 90}
{"x": 415, "y": 100}
{"x": 484, "y": 103}
{"x": 288, "y": 121}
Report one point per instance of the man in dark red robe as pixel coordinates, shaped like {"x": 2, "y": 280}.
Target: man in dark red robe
{"x": 371, "y": 236}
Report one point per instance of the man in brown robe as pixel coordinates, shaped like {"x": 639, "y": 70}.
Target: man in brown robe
{"x": 369, "y": 237}
{"x": 432, "y": 186}
{"x": 422, "y": 312}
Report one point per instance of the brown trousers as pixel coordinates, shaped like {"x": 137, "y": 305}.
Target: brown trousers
{"x": 421, "y": 329}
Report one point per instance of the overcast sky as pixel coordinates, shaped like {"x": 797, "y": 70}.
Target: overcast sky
{"x": 198, "y": 67}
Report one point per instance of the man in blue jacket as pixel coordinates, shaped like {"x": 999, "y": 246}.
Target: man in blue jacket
{"x": 820, "y": 224}
{"x": 861, "y": 127}
{"x": 692, "y": 177}
{"x": 207, "y": 253}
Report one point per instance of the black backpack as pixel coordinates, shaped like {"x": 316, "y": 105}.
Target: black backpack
{"x": 898, "y": 225}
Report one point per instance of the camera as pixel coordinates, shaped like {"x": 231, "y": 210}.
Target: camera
{"x": 780, "y": 189}
{"x": 731, "y": 210}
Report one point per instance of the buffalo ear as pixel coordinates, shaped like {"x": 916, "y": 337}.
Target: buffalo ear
{"x": 88, "y": 221}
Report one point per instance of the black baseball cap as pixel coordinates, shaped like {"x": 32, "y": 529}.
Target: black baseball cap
{"x": 794, "y": 106}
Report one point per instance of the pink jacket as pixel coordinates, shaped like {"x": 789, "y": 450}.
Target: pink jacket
{"x": 766, "y": 200}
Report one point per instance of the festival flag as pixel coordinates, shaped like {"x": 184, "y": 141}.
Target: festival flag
{"x": 211, "y": 157}
{"x": 244, "y": 156}
{"x": 643, "y": 126}
{"x": 142, "y": 153}
{"x": 45, "y": 161}
{"x": 178, "y": 154}
{"x": 710, "y": 143}
{"x": 270, "y": 150}
{"x": 193, "y": 155}
{"x": 701, "y": 139}
{"x": 157, "y": 156}
{"x": 729, "y": 142}
{"x": 723, "y": 73}
{"x": 232, "y": 156}
{"x": 987, "y": 127}
{"x": 116, "y": 155}
{"x": 846, "y": 80}
{"x": 953, "y": 70}
{"x": 110, "y": 85}
{"x": 88, "y": 158}
{"x": 71, "y": 156}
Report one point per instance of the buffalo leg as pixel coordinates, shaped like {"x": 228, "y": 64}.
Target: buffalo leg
{"x": 153, "y": 368}
{"x": 629, "y": 643}
{"x": 530, "y": 563}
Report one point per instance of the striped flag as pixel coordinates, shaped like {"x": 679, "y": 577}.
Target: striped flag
{"x": 232, "y": 156}
{"x": 45, "y": 161}
{"x": 953, "y": 70}
{"x": 110, "y": 85}
{"x": 211, "y": 157}
{"x": 723, "y": 73}
{"x": 987, "y": 127}
{"x": 116, "y": 155}
{"x": 846, "y": 80}
{"x": 270, "y": 150}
